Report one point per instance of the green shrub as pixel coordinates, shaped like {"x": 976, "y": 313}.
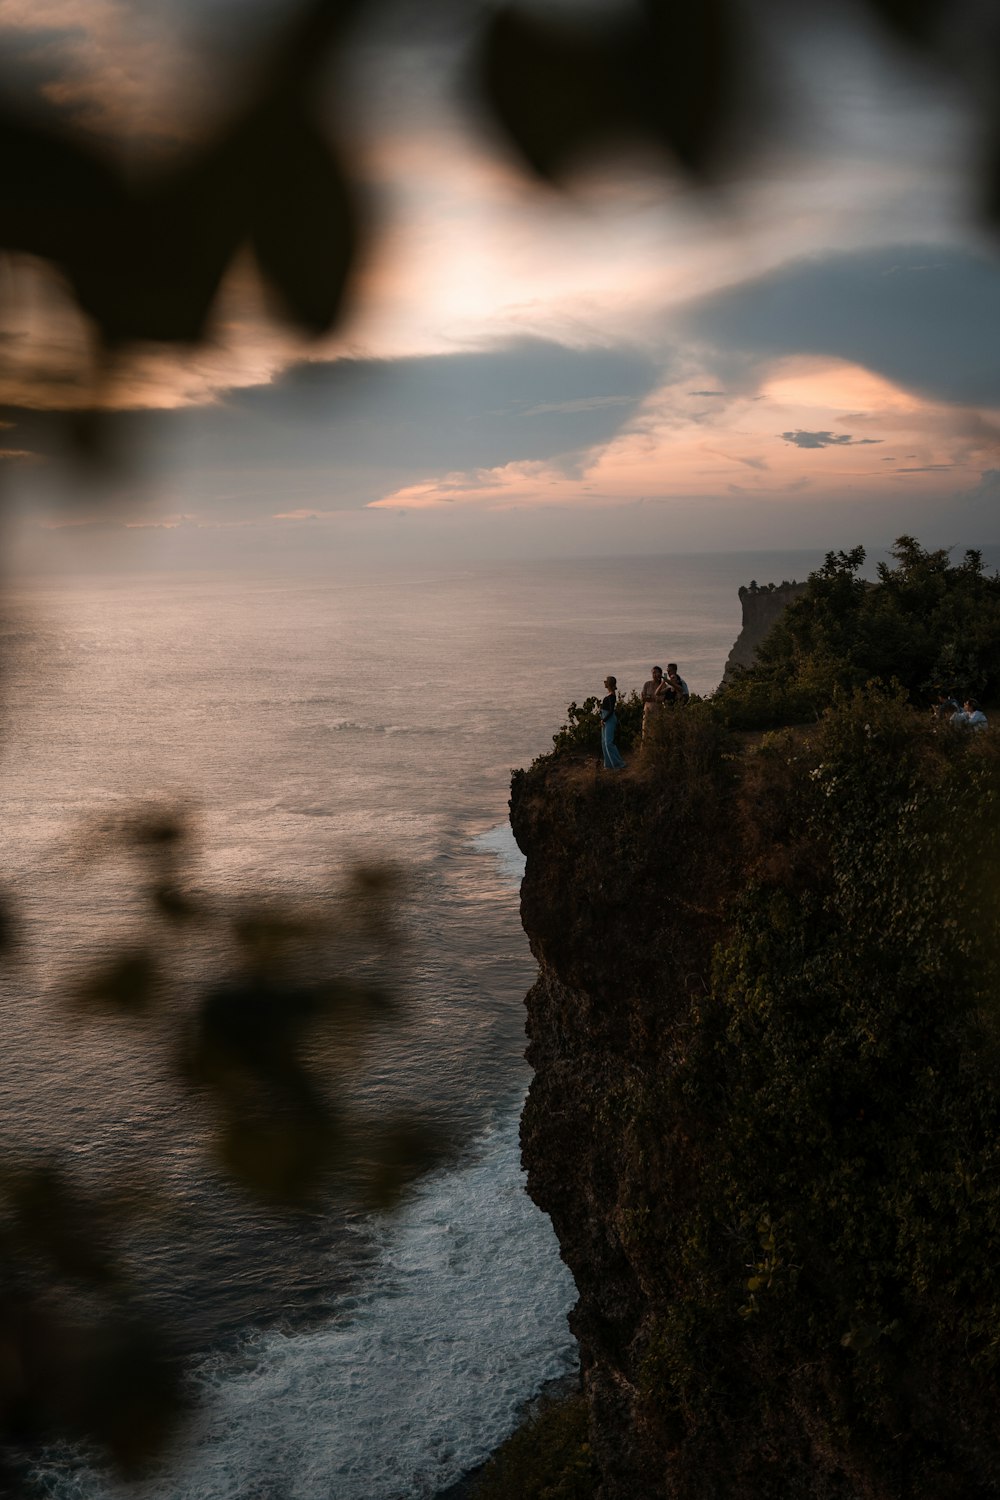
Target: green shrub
{"x": 928, "y": 624}
{"x": 581, "y": 733}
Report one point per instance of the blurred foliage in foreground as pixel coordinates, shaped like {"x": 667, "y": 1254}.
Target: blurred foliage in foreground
{"x": 144, "y": 248}
{"x": 265, "y": 1046}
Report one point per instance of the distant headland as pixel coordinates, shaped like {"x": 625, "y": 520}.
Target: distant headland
{"x": 762, "y": 608}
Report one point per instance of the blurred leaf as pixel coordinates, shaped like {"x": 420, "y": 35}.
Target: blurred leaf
{"x": 129, "y": 1395}
{"x": 62, "y": 200}
{"x": 249, "y": 1038}
{"x": 396, "y": 1154}
{"x": 371, "y": 880}
{"x": 51, "y": 1217}
{"x": 126, "y": 985}
{"x": 911, "y": 20}
{"x": 282, "y": 1157}
{"x": 174, "y": 905}
{"x": 561, "y": 90}
{"x": 551, "y": 87}
{"x": 990, "y": 199}
{"x": 156, "y": 828}
{"x": 683, "y": 72}
{"x": 373, "y": 897}
{"x": 184, "y": 233}
{"x": 8, "y": 927}
{"x": 268, "y": 936}
{"x": 159, "y": 831}
{"x": 304, "y": 225}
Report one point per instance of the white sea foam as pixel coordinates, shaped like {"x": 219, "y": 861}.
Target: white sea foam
{"x": 410, "y": 1385}
{"x": 500, "y": 841}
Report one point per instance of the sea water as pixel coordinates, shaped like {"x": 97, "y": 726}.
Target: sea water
{"x": 305, "y": 724}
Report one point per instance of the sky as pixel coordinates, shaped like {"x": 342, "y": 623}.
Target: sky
{"x": 806, "y": 359}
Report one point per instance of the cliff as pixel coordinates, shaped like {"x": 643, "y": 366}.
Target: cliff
{"x": 623, "y": 932}
{"x": 765, "y": 1132}
{"x": 762, "y": 609}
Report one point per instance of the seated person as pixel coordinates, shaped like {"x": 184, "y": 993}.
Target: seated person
{"x": 944, "y": 705}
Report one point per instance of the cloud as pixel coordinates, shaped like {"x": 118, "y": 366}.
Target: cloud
{"x": 751, "y": 461}
{"x": 585, "y": 403}
{"x": 925, "y": 320}
{"x": 926, "y": 469}
{"x": 337, "y": 435}
{"x": 802, "y": 439}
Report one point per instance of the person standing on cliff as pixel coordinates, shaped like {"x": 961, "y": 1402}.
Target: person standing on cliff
{"x": 676, "y": 684}
{"x": 609, "y": 726}
{"x": 652, "y": 697}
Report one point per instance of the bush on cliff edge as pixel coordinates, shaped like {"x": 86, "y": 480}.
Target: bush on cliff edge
{"x": 928, "y": 623}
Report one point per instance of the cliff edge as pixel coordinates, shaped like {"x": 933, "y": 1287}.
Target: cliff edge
{"x": 763, "y": 1116}
{"x": 762, "y": 609}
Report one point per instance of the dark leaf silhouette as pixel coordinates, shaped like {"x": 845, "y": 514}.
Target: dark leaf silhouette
{"x": 669, "y": 77}
{"x": 126, "y": 985}
{"x": 683, "y": 69}
{"x": 173, "y": 904}
{"x": 553, "y": 87}
{"x": 912, "y": 20}
{"x": 284, "y": 1156}
{"x": 397, "y": 1152}
{"x": 62, "y": 200}
{"x": 306, "y": 220}
{"x": 126, "y": 1392}
{"x": 52, "y": 1218}
{"x": 303, "y": 223}
{"x": 146, "y": 255}
{"x": 8, "y": 928}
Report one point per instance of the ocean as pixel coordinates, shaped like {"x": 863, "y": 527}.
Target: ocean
{"x": 304, "y": 725}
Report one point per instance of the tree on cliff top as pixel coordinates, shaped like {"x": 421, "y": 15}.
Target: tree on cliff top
{"x": 928, "y": 623}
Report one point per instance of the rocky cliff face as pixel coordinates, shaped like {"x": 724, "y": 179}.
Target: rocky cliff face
{"x": 762, "y": 608}
{"x": 764, "y": 1117}
{"x": 622, "y": 920}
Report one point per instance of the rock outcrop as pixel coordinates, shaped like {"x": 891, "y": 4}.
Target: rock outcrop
{"x": 605, "y": 900}
{"x": 762, "y": 609}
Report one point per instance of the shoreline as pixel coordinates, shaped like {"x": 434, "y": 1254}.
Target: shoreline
{"x": 554, "y": 1390}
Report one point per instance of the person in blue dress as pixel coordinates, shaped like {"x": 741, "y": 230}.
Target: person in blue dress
{"x": 609, "y": 726}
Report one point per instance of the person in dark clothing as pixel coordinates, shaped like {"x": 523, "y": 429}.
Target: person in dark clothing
{"x": 676, "y": 684}
{"x": 609, "y": 725}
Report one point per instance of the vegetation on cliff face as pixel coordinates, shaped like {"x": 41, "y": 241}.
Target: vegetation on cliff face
{"x": 765, "y": 1115}
{"x": 929, "y": 623}
{"x": 833, "y": 1291}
